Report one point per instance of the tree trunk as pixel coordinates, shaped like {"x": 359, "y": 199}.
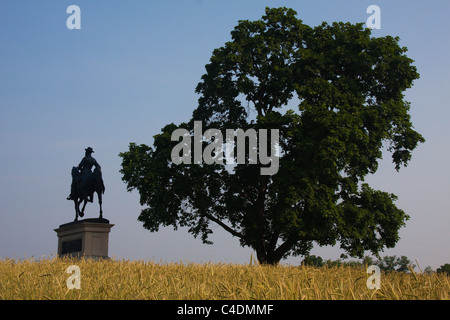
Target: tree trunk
{"x": 266, "y": 259}
{"x": 274, "y": 257}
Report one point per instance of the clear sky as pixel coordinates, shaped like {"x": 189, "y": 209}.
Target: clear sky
{"x": 133, "y": 68}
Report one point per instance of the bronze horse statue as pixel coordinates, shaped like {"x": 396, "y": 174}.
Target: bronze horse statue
{"x": 85, "y": 183}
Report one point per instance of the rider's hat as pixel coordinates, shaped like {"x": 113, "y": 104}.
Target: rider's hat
{"x": 89, "y": 149}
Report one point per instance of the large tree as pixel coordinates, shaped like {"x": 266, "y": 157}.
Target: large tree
{"x": 347, "y": 87}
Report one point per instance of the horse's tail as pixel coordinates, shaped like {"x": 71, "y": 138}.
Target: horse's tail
{"x": 75, "y": 172}
{"x": 99, "y": 179}
{"x": 74, "y": 187}
{"x": 101, "y": 186}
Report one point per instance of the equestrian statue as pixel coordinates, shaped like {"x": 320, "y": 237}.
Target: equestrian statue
{"x": 85, "y": 182}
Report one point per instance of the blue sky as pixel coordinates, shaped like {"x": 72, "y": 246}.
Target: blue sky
{"x": 133, "y": 68}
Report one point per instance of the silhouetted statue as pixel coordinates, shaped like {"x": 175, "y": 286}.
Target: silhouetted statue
{"x": 85, "y": 183}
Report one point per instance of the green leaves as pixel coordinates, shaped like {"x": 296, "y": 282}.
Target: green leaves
{"x": 350, "y": 90}
{"x": 370, "y": 221}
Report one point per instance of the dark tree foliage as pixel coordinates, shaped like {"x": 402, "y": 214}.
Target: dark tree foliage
{"x": 349, "y": 87}
{"x": 313, "y": 261}
{"x": 444, "y": 269}
{"x": 394, "y": 263}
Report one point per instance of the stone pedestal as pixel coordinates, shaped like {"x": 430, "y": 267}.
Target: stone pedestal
{"x": 84, "y": 238}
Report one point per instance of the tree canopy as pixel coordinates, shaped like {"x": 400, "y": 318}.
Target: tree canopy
{"x": 445, "y": 268}
{"x": 349, "y": 88}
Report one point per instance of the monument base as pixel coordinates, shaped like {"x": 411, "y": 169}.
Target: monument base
{"x": 84, "y": 238}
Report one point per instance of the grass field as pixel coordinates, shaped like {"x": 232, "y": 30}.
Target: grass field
{"x": 113, "y": 279}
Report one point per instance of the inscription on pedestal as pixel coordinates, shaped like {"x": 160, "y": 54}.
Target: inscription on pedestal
{"x": 71, "y": 246}
{"x": 86, "y": 238}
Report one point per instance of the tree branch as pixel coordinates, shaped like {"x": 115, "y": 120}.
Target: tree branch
{"x": 223, "y": 225}
{"x": 273, "y": 241}
{"x": 283, "y": 248}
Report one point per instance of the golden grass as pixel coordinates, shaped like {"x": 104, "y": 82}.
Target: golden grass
{"x": 119, "y": 280}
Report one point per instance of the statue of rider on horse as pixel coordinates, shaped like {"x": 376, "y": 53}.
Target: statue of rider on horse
{"x": 85, "y": 183}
